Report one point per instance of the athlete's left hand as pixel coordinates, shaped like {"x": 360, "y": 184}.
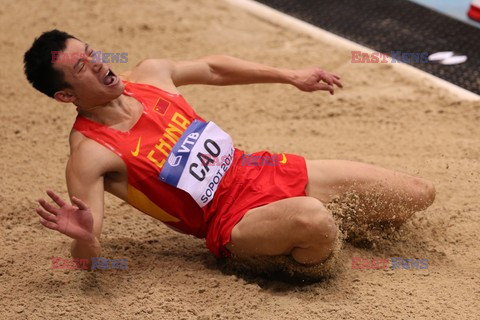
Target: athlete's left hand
{"x": 314, "y": 79}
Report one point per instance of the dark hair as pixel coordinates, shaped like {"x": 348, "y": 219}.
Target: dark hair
{"x": 38, "y": 62}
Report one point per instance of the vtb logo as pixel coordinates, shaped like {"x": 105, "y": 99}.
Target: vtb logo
{"x": 174, "y": 160}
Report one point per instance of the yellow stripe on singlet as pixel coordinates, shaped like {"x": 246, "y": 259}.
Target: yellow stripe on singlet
{"x": 140, "y": 201}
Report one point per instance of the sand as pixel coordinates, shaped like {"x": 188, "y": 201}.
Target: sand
{"x": 383, "y": 117}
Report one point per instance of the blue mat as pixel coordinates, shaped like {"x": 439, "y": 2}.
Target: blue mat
{"x": 396, "y": 26}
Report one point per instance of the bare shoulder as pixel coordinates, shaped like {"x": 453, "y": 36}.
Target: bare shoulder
{"x": 88, "y": 158}
{"x": 156, "y": 72}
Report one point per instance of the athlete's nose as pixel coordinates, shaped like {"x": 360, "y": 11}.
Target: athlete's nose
{"x": 96, "y": 66}
{"x": 95, "y": 60}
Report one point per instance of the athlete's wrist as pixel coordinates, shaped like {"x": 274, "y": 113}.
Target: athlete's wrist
{"x": 81, "y": 249}
{"x": 292, "y": 77}
{"x": 90, "y": 241}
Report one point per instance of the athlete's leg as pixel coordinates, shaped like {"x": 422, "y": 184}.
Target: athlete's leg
{"x": 383, "y": 195}
{"x": 299, "y": 226}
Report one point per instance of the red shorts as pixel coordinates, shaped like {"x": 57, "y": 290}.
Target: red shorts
{"x": 252, "y": 181}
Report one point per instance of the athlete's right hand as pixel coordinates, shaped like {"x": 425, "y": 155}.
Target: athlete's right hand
{"x": 75, "y": 221}
{"x": 314, "y": 79}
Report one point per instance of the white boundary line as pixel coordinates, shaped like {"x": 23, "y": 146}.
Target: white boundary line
{"x": 284, "y": 20}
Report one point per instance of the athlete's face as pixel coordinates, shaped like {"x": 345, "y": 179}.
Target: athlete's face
{"x": 93, "y": 82}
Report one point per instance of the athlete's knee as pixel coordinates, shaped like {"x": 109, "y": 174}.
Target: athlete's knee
{"x": 425, "y": 192}
{"x": 315, "y": 224}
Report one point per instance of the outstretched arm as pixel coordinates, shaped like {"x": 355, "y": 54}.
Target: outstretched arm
{"x": 226, "y": 70}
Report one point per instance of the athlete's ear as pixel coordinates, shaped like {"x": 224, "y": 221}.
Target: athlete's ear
{"x": 64, "y": 96}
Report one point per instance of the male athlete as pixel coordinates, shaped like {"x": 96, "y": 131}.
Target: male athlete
{"x": 136, "y": 137}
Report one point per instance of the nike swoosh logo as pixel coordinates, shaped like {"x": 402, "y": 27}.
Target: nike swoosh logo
{"x": 137, "y": 151}
{"x": 284, "y": 159}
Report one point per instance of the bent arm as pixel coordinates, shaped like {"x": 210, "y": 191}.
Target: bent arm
{"x": 85, "y": 182}
{"x": 87, "y": 248}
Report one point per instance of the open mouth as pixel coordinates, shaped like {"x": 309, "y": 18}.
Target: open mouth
{"x": 110, "y": 78}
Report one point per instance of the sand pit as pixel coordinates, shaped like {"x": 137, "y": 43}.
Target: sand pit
{"x": 382, "y": 116}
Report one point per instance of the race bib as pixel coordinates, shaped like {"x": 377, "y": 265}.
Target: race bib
{"x": 199, "y": 160}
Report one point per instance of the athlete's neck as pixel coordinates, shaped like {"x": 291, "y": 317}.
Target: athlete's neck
{"x": 121, "y": 109}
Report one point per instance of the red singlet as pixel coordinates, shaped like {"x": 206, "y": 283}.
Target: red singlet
{"x": 145, "y": 148}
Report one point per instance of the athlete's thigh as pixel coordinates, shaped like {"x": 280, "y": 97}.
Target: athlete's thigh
{"x": 328, "y": 179}
{"x": 275, "y": 228}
